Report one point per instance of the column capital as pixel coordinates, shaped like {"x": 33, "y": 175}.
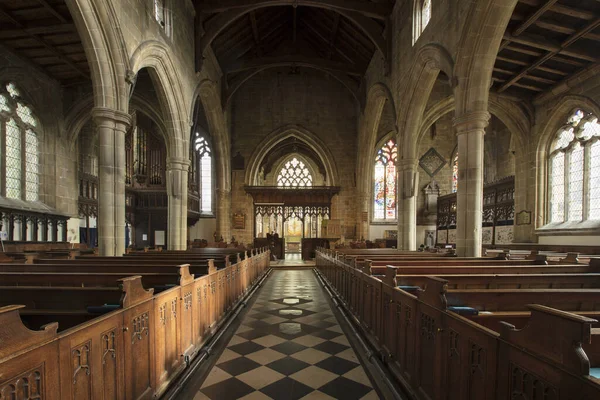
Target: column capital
{"x": 178, "y": 164}
{"x": 471, "y": 122}
{"x": 407, "y": 164}
{"x": 103, "y": 116}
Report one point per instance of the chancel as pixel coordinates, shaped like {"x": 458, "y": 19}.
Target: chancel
{"x": 299, "y": 199}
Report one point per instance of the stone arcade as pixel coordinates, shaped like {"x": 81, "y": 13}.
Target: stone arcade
{"x": 158, "y": 157}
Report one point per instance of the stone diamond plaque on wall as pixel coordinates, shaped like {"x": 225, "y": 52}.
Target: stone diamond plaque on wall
{"x": 432, "y": 162}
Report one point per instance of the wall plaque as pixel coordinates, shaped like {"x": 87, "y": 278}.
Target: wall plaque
{"x": 524, "y": 218}
{"x": 432, "y": 162}
{"x": 239, "y": 221}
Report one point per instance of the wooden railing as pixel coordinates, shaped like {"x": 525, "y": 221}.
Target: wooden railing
{"x": 436, "y": 354}
{"x": 135, "y": 352}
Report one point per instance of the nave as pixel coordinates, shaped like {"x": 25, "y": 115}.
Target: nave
{"x": 289, "y": 344}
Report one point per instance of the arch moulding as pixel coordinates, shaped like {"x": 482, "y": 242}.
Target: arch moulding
{"x": 167, "y": 82}
{"x": 281, "y": 134}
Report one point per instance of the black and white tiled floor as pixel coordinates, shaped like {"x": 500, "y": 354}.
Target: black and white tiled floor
{"x": 288, "y": 346}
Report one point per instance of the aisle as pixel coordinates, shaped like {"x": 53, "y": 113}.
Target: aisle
{"x": 288, "y": 346}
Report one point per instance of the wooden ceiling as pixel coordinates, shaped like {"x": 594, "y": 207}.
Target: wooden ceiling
{"x": 42, "y": 32}
{"x": 546, "y": 42}
{"x": 295, "y": 34}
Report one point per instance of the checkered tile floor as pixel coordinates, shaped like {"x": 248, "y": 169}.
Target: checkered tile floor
{"x": 289, "y": 346}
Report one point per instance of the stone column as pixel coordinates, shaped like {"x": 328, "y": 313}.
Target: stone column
{"x": 408, "y": 183}
{"x": 470, "y": 129}
{"x": 112, "y": 126}
{"x": 177, "y": 192}
{"x": 224, "y": 214}
{"x": 362, "y": 225}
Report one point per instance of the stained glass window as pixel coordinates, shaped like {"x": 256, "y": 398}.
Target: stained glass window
{"x": 574, "y": 170}
{"x": 203, "y": 151}
{"x": 455, "y": 173}
{"x": 4, "y": 103}
{"x": 21, "y": 148}
{"x": 13, "y": 160}
{"x": 594, "y": 181}
{"x": 557, "y": 183}
{"x": 31, "y": 166}
{"x": 385, "y": 185}
{"x": 294, "y": 174}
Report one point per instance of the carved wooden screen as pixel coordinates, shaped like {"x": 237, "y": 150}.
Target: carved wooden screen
{"x": 498, "y": 214}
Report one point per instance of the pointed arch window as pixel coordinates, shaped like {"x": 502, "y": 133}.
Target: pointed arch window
{"x": 385, "y": 182}
{"x": 205, "y": 173}
{"x": 294, "y": 174}
{"x": 159, "y": 12}
{"x": 421, "y": 17}
{"x": 455, "y": 173}
{"x": 574, "y": 170}
{"x": 20, "y": 147}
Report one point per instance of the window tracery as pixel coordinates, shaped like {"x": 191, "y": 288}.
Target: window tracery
{"x": 574, "y": 170}
{"x": 205, "y": 178}
{"x": 455, "y": 173}
{"x": 294, "y": 174}
{"x": 384, "y": 202}
{"x": 421, "y": 17}
{"x": 20, "y": 146}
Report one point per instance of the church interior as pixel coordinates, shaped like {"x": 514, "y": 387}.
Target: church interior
{"x": 299, "y": 199}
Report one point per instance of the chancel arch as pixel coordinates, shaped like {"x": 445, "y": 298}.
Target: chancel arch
{"x": 284, "y": 139}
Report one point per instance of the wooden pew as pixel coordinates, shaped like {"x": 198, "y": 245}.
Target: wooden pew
{"x": 93, "y": 279}
{"x": 119, "y": 265}
{"x": 438, "y": 354}
{"x": 134, "y": 352}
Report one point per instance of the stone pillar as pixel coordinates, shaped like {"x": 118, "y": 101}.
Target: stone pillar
{"x": 362, "y": 224}
{"x": 112, "y": 126}
{"x": 177, "y": 192}
{"x": 224, "y": 214}
{"x": 470, "y": 129}
{"x": 408, "y": 182}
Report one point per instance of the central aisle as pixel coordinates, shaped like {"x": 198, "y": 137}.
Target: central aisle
{"x": 288, "y": 346}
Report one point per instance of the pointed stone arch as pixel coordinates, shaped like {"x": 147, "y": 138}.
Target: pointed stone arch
{"x": 547, "y": 132}
{"x": 157, "y": 59}
{"x": 377, "y": 97}
{"x": 97, "y": 25}
{"x": 431, "y": 59}
{"x": 482, "y": 34}
{"x": 300, "y": 133}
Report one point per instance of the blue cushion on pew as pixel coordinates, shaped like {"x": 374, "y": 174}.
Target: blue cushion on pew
{"x": 409, "y": 288}
{"x": 464, "y": 310}
{"x": 595, "y": 372}
{"x": 102, "y": 309}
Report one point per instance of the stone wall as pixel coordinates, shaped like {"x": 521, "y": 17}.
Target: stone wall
{"x": 58, "y": 156}
{"x": 310, "y": 99}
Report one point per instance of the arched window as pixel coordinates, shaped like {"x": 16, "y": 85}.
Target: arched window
{"x": 20, "y": 146}
{"x": 384, "y": 202}
{"x": 159, "y": 12}
{"x": 294, "y": 174}
{"x": 205, "y": 174}
{"x": 455, "y": 173}
{"x": 574, "y": 170}
{"x": 421, "y": 18}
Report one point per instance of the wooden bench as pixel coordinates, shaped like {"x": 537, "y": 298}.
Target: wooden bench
{"x": 135, "y": 351}
{"x": 435, "y": 352}
{"x": 91, "y": 279}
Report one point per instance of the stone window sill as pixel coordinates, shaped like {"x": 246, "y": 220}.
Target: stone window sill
{"x": 591, "y": 227}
